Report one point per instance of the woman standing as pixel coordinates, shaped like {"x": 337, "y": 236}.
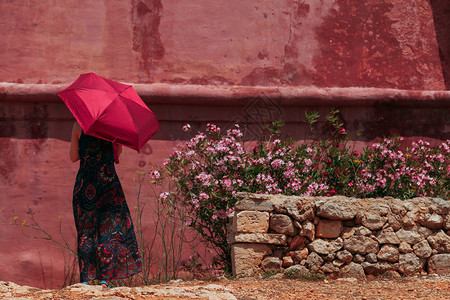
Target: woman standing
{"x": 107, "y": 245}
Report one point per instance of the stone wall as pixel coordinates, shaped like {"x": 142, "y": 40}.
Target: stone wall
{"x": 340, "y": 236}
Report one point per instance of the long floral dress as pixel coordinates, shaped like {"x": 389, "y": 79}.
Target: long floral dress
{"x": 107, "y": 245}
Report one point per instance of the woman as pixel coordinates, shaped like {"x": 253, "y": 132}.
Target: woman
{"x": 107, "y": 245}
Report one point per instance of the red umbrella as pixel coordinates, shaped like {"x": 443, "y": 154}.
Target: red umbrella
{"x": 110, "y": 110}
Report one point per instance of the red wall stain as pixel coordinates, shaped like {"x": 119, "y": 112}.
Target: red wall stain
{"x": 146, "y": 17}
{"x": 441, "y": 16}
{"x": 359, "y": 45}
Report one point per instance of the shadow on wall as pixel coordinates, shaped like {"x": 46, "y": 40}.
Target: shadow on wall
{"x": 28, "y": 120}
{"x": 441, "y": 16}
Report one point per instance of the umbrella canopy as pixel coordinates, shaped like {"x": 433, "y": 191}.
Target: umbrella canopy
{"x": 110, "y": 110}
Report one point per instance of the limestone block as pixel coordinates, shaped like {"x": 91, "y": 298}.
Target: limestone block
{"x": 361, "y": 245}
{"x": 394, "y": 222}
{"x": 301, "y": 255}
{"x": 287, "y": 261}
{"x": 433, "y": 221}
{"x": 409, "y": 236}
{"x": 376, "y": 268}
{"x": 373, "y": 221}
{"x": 422, "y": 249}
{"x": 329, "y": 268}
{"x": 381, "y": 209}
{"x": 371, "y": 257}
{"x": 424, "y": 231}
{"x": 329, "y": 228}
{"x": 298, "y": 224}
{"x": 442, "y": 206}
{"x": 259, "y": 238}
{"x": 344, "y": 256}
{"x": 358, "y": 218}
{"x": 392, "y": 274}
{"x": 348, "y": 232}
{"x": 270, "y": 263}
{"x": 396, "y": 207}
{"x": 300, "y": 210}
{"x": 329, "y": 257}
{"x": 282, "y": 224}
{"x": 251, "y": 221}
{"x": 440, "y": 241}
{"x": 361, "y": 230}
{"x": 408, "y": 205}
{"x": 336, "y": 211}
{"x": 338, "y": 263}
{"x": 352, "y": 270}
{"x": 326, "y": 246}
{"x": 446, "y": 224}
{"x": 411, "y": 218}
{"x": 387, "y": 236}
{"x": 246, "y": 259}
{"x": 297, "y": 242}
{"x": 253, "y": 205}
{"x": 388, "y": 253}
{"x": 404, "y": 247}
{"x": 308, "y": 230}
{"x": 358, "y": 258}
{"x": 439, "y": 264}
{"x": 314, "y": 261}
{"x": 410, "y": 264}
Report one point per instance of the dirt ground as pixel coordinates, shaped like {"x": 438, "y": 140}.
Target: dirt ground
{"x": 424, "y": 287}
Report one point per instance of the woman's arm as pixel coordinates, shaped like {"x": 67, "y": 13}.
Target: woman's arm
{"x": 74, "y": 142}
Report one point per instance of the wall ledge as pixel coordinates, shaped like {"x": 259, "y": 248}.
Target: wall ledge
{"x": 159, "y": 93}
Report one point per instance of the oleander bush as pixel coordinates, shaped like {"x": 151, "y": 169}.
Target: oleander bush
{"x": 213, "y": 166}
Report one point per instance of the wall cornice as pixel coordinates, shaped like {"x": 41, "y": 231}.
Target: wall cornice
{"x": 160, "y": 93}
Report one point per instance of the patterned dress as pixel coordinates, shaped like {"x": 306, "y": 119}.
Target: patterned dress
{"x": 107, "y": 245}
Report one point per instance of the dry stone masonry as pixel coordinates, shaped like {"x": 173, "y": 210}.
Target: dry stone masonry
{"x": 340, "y": 236}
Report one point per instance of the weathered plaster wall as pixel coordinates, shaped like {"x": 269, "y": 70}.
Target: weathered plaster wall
{"x": 339, "y": 43}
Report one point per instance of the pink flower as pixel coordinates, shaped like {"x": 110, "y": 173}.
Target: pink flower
{"x": 342, "y": 130}
{"x": 308, "y": 162}
{"x": 154, "y": 175}
{"x": 186, "y": 127}
{"x": 195, "y": 202}
{"x": 350, "y": 184}
{"x": 288, "y": 173}
{"x": 212, "y": 128}
{"x": 226, "y": 182}
{"x": 277, "y": 163}
{"x": 204, "y": 178}
{"x": 164, "y": 196}
{"x": 203, "y": 196}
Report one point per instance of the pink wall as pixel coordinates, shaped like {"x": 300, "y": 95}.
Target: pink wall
{"x": 384, "y": 64}
{"x": 339, "y": 43}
